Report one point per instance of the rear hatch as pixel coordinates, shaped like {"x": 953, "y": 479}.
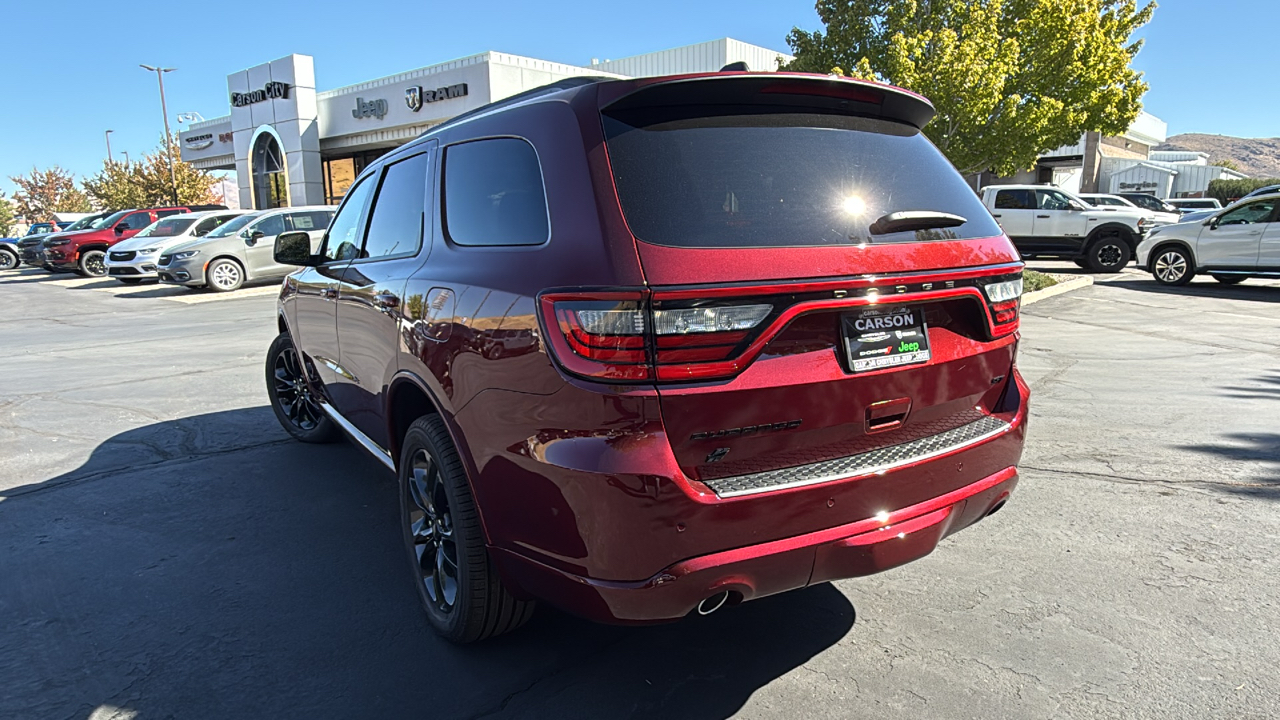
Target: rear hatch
{"x": 822, "y": 282}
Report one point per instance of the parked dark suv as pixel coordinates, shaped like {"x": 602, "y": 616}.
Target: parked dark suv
{"x": 645, "y": 348}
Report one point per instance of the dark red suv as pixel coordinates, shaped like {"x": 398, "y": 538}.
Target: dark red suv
{"x": 645, "y": 348}
{"x": 85, "y": 251}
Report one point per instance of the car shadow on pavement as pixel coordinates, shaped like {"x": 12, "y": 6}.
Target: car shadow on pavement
{"x": 1210, "y": 289}
{"x": 211, "y": 566}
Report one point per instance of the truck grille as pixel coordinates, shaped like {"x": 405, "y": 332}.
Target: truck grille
{"x": 867, "y": 463}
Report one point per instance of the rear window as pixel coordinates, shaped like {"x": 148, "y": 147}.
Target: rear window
{"x": 780, "y": 179}
{"x": 493, "y": 194}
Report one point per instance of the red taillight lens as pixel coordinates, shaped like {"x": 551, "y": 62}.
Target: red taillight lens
{"x": 618, "y": 337}
{"x": 1005, "y": 312}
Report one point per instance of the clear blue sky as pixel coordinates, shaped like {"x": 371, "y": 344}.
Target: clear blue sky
{"x": 1207, "y": 62}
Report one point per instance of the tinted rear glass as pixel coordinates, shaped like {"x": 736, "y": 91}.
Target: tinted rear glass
{"x": 780, "y": 179}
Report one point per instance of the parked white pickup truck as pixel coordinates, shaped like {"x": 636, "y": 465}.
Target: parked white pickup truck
{"x": 1045, "y": 221}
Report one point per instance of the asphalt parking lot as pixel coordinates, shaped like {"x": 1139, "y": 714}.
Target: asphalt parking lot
{"x": 165, "y": 551}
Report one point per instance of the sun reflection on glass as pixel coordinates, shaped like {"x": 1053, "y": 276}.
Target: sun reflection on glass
{"x": 853, "y": 205}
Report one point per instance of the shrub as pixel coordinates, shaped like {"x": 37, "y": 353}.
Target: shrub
{"x": 1228, "y": 190}
{"x": 1032, "y": 281}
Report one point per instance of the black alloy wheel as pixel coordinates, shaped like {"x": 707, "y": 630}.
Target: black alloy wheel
{"x": 457, "y": 582}
{"x": 8, "y": 259}
{"x": 292, "y": 399}
{"x": 93, "y": 263}
{"x": 1109, "y": 253}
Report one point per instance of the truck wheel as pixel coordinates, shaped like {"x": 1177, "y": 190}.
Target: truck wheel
{"x": 1108, "y": 253}
{"x": 457, "y": 582}
{"x": 8, "y": 259}
{"x": 295, "y": 407}
{"x": 93, "y": 263}
{"x": 1172, "y": 265}
{"x": 1080, "y": 263}
{"x": 224, "y": 275}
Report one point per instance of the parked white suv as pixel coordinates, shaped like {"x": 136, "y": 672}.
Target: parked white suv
{"x": 1106, "y": 201}
{"x": 1045, "y": 221}
{"x": 134, "y": 260}
{"x": 1187, "y": 205}
{"x": 1239, "y": 242}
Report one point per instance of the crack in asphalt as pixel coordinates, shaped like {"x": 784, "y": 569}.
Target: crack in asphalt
{"x": 1129, "y": 480}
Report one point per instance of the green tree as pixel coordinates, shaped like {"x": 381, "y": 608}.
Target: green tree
{"x": 147, "y": 184}
{"x": 45, "y": 192}
{"x": 6, "y": 215}
{"x": 1010, "y": 79}
{"x": 1227, "y": 163}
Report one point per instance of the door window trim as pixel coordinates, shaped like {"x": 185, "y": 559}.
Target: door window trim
{"x": 361, "y": 220}
{"x": 428, "y": 194}
{"x": 439, "y": 204}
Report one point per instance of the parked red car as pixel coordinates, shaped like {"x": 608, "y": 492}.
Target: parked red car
{"x": 85, "y": 251}
{"x": 645, "y": 348}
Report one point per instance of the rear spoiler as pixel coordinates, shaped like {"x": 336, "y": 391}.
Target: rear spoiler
{"x": 823, "y": 93}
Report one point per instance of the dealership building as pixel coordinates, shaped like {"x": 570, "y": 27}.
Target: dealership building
{"x": 293, "y": 144}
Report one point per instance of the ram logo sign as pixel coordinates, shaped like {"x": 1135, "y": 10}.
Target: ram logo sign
{"x": 415, "y": 97}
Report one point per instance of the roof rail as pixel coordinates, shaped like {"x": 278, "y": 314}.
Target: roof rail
{"x": 557, "y": 86}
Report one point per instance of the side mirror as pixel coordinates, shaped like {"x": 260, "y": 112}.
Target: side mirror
{"x": 1077, "y": 207}
{"x": 121, "y": 228}
{"x": 252, "y": 238}
{"x": 294, "y": 248}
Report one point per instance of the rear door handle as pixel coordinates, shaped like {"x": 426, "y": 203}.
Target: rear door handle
{"x": 887, "y": 414}
{"x": 995, "y": 215}
{"x": 1045, "y": 217}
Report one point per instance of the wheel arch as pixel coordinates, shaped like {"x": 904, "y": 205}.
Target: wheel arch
{"x": 90, "y": 247}
{"x": 1171, "y": 242}
{"x": 1125, "y": 231}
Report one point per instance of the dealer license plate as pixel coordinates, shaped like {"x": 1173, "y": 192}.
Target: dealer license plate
{"x": 885, "y": 337}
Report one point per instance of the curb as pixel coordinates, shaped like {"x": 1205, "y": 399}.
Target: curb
{"x": 1060, "y": 288}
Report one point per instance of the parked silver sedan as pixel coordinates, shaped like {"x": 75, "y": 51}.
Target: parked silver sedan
{"x": 134, "y": 260}
{"x": 242, "y": 250}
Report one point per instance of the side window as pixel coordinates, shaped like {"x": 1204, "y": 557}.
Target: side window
{"x": 395, "y": 222}
{"x": 309, "y": 221}
{"x": 137, "y": 221}
{"x": 1050, "y": 200}
{"x": 269, "y": 226}
{"x": 342, "y": 242}
{"x": 204, "y": 226}
{"x": 1014, "y": 200}
{"x": 1258, "y": 212}
{"x": 493, "y": 194}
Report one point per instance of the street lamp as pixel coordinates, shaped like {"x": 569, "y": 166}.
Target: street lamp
{"x": 190, "y": 117}
{"x": 107, "y": 135}
{"x": 126, "y": 157}
{"x": 164, "y": 110}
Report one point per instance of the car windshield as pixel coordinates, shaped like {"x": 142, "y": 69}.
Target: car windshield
{"x": 168, "y": 227}
{"x": 232, "y": 227}
{"x": 113, "y": 219}
{"x": 81, "y": 224}
{"x": 733, "y": 180}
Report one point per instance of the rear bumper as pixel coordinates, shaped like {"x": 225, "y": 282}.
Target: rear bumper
{"x": 852, "y": 550}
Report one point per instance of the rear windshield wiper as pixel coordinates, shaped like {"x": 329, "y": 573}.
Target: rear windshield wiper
{"x": 907, "y": 220}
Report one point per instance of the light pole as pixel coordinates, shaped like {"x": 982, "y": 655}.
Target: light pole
{"x": 107, "y": 135}
{"x": 164, "y": 110}
{"x": 126, "y": 157}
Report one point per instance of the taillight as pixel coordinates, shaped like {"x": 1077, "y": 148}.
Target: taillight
{"x": 1004, "y": 298}
{"x": 618, "y": 337}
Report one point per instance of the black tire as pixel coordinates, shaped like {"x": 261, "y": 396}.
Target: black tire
{"x": 440, "y": 526}
{"x": 1229, "y": 279}
{"x": 1108, "y": 252}
{"x": 1172, "y": 265}
{"x": 93, "y": 263}
{"x": 224, "y": 275}
{"x": 1080, "y": 263}
{"x": 8, "y": 259}
{"x": 291, "y": 398}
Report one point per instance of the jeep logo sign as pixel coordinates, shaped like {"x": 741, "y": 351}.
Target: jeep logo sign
{"x": 415, "y": 96}
{"x": 270, "y": 91}
{"x": 369, "y": 108}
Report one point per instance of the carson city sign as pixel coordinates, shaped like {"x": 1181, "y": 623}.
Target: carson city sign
{"x": 415, "y": 96}
{"x": 270, "y": 91}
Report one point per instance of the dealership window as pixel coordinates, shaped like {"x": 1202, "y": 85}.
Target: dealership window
{"x": 270, "y": 184}
{"x": 395, "y": 223}
{"x": 308, "y": 221}
{"x": 493, "y": 194}
{"x": 340, "y": 172}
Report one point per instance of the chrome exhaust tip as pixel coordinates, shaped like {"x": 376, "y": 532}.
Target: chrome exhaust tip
{"x": 713, "y": 603}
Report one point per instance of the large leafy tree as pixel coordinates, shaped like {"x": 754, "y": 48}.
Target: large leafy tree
{"x": 41, "y": 193}
{"x": 1010, "y": 79}
{"x": 6, "y": 215}
{"x": 147, "y": 184}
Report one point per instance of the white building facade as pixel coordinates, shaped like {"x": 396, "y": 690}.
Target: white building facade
{"x": 292, "y": 144}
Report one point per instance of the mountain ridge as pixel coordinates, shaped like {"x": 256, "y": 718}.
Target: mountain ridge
{"x": 1256, "y": 157}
